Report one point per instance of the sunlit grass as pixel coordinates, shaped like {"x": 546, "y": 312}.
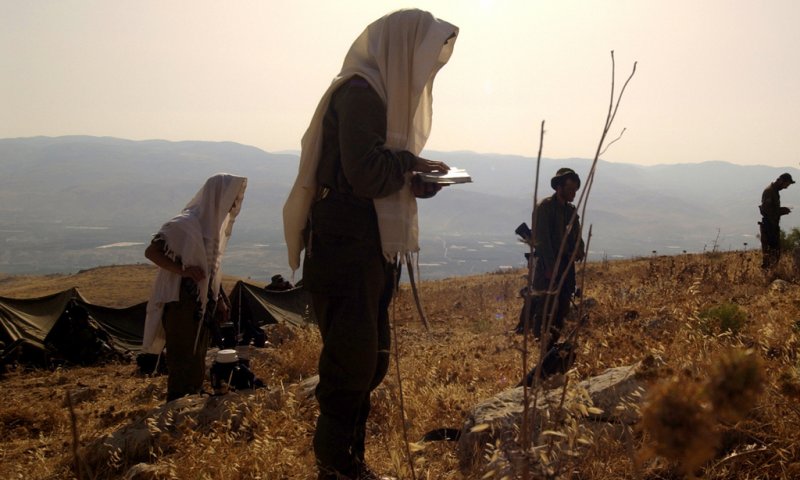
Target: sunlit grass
{"x": 645, "y": 308}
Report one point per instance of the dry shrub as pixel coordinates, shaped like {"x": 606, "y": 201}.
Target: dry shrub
{"x": 682, "y": 416}
{"x": 735, "y": 384}
{"x": 681, "y": 428}
{"x": 26, "y": 421}
{"x": 725, "y": 318}
{"x": 294, "y": 360}
{"x": 790, "y": 384}
{"x": 277, "y": 334}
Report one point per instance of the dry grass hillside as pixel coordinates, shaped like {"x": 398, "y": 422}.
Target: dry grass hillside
{"x": 723, "y": 404}
{"x": 113, "y": 286}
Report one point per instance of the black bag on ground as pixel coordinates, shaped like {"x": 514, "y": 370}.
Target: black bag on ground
{"x": 243, "y": 378}
{"x": 151, "y": 364}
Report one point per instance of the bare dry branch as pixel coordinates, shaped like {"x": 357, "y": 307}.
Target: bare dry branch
{"x": 415, "y": 292}
{"x": 526, "y": 438}
{"x": 612, "y": 142}
{"x": 395, "y": 343}
{"x": 81, "y": 469}
{"x": 558, "y": 279}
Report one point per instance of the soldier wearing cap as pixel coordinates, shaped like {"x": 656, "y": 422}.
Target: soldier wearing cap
{"x": 771, "y": 212}
{"x": 552, "y": 224}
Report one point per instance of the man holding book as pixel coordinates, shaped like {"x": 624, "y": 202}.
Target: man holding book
{"x": 771, "y": 213}
{"x": 353, "y": 209}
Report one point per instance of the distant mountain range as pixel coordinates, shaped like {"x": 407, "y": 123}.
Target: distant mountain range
{"x": 69, "y": 203}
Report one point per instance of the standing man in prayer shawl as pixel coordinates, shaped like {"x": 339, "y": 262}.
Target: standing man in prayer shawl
{"x": 353, "y": 209}
{"x": 188, "y": 249}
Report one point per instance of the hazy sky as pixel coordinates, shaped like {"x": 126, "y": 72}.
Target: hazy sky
{"x": 716, "y": 80}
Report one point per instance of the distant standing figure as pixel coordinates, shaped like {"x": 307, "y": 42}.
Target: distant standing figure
{"x": 188, "y": 251}
{"x": 771, "y": 212}
{"x": 353, "y": 208}
{"x": 553, "y": 215}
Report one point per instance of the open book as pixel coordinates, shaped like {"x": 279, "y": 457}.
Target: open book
{"x": 454, "y": 175}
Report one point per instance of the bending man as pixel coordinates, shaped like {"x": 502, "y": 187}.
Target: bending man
{"x": 188, "y": 251}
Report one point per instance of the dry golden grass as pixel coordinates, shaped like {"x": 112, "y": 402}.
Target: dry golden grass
{"x": 112, "y": 286}
{"x": 645, "y": 308}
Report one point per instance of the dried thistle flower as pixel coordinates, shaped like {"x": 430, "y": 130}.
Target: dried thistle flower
{"x": 736, "y": 382}
{"x": 681, "y": 428}
{"x": 790, "y": 385}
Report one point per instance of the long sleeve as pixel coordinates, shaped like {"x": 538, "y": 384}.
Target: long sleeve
{"x": 371, "y": 169}
{"x": 552, "y": 220}
{"x": 543, "y": 241}
{"x": 771, "y": 205}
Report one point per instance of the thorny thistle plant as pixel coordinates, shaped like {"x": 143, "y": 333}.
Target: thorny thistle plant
{"x": 682, "y": 417}
{"x": 789, "y": 384}
{"x": 735, "y": 384}
{"x": 680, "y": 425}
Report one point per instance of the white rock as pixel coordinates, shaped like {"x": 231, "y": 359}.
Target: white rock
{"x": 497, "y": 420}
{"x": 779, "y": 286}
{"x": 146, "y": 471}
{"x": 304, "y": 391}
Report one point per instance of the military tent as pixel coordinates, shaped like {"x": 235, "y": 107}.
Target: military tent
{"x": 125, "y": 325}
{"x": 64, "y": 326}
{"x": 259, "y": 306}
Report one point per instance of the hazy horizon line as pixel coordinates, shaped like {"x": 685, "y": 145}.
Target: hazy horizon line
{"x": 473, "y": 152}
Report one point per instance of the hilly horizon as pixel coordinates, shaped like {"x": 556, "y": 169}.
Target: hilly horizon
{"x": 76, "y": 202}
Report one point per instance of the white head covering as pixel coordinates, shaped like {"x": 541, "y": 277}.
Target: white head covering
{"x": 399, "y": 55}
{"x": 198, "y": 236}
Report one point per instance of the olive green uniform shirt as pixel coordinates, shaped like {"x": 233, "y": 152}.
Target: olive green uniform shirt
{"x": 552, "y": 219}
{"x": 354, "y": 159}
{"x": 771, "y": 205}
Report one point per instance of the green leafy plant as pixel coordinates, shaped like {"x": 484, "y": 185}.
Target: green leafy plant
{"x": 790, "y": 240}
{"x": 726, "y": 317}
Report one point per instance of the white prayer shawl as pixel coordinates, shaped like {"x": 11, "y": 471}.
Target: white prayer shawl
{"x": 399, "y": 55}
{"x": 198, "y": 236}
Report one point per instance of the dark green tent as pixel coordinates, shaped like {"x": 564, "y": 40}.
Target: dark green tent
{"x": 65, "y": 326}
{"x": 258, "y": 306}
{"x": 32, "y": 319}
{"x": 125, "y": 325}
